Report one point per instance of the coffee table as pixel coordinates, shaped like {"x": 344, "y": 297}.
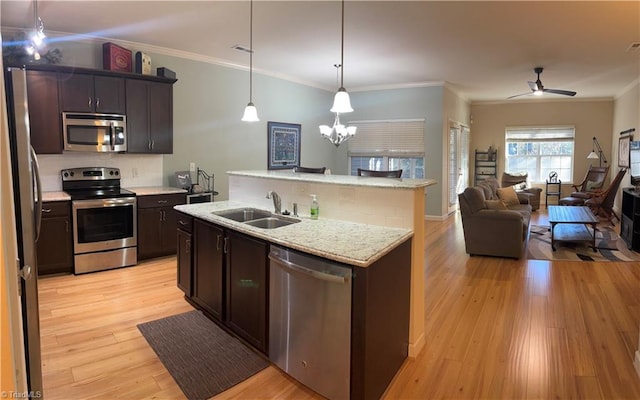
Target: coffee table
{"x": 569, "y": 223}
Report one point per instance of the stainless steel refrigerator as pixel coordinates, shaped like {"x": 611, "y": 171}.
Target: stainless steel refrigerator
{"x": 28, "y": 210}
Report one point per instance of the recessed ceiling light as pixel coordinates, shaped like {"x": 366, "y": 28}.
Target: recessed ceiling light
{"x": 633, "y": 47}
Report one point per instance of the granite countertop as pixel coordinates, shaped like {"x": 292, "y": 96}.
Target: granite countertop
{"x": 348, "y": 180}
{"x": 347, "y": 242}
{"x": 55, "y": 196}
{"x": 151, "y": 190}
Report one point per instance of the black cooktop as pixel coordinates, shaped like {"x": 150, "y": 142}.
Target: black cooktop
{"x": 93, "y": 183}
{"x": 107, "y": 193}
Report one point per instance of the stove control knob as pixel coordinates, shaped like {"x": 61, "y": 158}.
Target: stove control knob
{"x": 111, "y": 172}
{"x": 117, "y": 172}
{"x": 66, "y": 174}
{"x": 71, "y": 173}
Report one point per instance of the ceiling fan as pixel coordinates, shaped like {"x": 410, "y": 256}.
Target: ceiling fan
{"x": 537, "y": 88}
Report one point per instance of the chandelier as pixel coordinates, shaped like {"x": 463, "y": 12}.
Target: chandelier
{"x": 338, "y": 133}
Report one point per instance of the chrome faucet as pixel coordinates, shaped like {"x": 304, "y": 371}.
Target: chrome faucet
{"x": 276, "y": 201}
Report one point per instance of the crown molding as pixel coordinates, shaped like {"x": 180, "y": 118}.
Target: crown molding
{"x": 74, "y": 37}
{"x": 541, "y": 101}
{"x": 397, "y": 86}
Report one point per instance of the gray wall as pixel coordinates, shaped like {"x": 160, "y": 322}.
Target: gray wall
{"x": 209, "y": 100}
{"x": 422, "y": 102}
{"x": 208, "y": 103}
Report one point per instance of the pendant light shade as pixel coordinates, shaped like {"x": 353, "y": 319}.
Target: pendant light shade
{"x": 341, "y": 102}
{"x": 250, "y": 111}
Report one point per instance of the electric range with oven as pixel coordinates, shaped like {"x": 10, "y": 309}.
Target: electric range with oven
{"x": 104, "y": 219}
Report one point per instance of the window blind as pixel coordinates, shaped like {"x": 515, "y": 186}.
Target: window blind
{"x": 400, "y": 138}
{"x": 532, "y": 134}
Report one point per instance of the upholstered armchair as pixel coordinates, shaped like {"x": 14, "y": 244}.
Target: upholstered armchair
{"x": 519, "y": 181}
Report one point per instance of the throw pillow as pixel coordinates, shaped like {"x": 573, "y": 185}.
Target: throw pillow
{"x": 509, "y": 196}
{"x": 495, "y": 205}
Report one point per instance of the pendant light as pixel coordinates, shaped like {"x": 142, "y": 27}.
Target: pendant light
{"x": 338, "y": 133}
{"x": 36, "y": 39}
{"x": 250, "y": 111}
{"x": 341, "y": 102}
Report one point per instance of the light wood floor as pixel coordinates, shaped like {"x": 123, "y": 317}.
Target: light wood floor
{"x": 495, "y": 329}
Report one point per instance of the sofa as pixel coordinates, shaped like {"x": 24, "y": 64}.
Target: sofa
{"x": 519, "y": 181}
{"x": 494, "y": 223}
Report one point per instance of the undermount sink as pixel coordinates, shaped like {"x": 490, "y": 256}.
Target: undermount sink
{"x": 272, "y": 222}
{"x": 243, "y": 214}
{"x": 256, "y": 217}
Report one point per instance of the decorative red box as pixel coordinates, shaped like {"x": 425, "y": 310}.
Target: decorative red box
{"x": 116, "y": 58}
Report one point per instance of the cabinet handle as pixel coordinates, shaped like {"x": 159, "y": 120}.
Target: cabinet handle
{"x": 187, "y": 246}
{"x": 46, "y": 210}
{"x": 164, "y": 215}
{"x": 218, "y": 242}
{"x": 181, "y": 222}
{"x": 89, "y": 103}
{"x": 149, "y": 144}
{"x": 226, "y": 245}
{"x": 66, "y": 226}
{"x": 162, "y": 201}
{"x": 153, "y": 143}
{"x": 97, "y": 102}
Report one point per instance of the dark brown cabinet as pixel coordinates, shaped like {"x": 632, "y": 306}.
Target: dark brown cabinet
{"x": 185, "y": 259}
{"x": 44, "y": 114}
{"x": 157, "y": 225}
{"x": 88, "y": 93}
{"x": 149, "y": 117}
{"x": 246, "y": 271}
{"x": 55, "y": 246}
{"x": 208, "y": 268}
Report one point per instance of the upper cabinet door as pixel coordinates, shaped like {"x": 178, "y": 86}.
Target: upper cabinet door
{"x": 109, "y": 95}
{"x": 137, "y": 117}
{"x": 161, "y": 117}
{"x": 149, "y": 117}
{"x": 44, "y": 114}
{"x": 76, "y": 93}
{"x": 92, "y": 94}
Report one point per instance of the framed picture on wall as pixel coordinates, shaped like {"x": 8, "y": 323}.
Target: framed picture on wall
{"x": 623, "y": 151}
{"x": 283, "y": 145}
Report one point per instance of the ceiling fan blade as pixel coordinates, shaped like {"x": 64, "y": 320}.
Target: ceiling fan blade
{"x": 559, "y": 91}
{"x": 533, "y": 85}
{"x": 518, "y": 95}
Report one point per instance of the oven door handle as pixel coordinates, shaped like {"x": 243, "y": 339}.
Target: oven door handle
{"x": 117, "y": 202}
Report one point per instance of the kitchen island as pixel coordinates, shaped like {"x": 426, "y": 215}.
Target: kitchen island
{"x": 386, "y": 202}
{"x": 223, "y": 268}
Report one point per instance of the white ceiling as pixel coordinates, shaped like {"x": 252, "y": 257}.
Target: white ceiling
{"x": 485, "y": 50}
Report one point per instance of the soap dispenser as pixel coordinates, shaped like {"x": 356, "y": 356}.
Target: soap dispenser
{"x": 315, "y": 207}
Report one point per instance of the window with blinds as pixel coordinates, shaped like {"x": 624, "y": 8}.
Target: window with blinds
{"x": 540, "y": 150}
{"x": 388, "y": 145}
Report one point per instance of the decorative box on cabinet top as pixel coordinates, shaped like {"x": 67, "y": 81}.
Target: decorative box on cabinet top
{"x": 116, "y": 58}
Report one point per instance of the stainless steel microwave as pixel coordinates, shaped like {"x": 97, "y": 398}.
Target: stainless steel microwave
{"x": 94, "y": 132}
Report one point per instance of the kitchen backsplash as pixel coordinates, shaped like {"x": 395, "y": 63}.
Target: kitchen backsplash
{"x": 136, "y": 170}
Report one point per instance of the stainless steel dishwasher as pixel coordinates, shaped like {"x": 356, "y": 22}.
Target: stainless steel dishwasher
{"x": 310, "y": 321}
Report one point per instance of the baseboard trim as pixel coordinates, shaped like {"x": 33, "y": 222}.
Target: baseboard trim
{"x": 636, "y": 363}
{"x": 416, "y": 347}
{"x": 438, "y": 218}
